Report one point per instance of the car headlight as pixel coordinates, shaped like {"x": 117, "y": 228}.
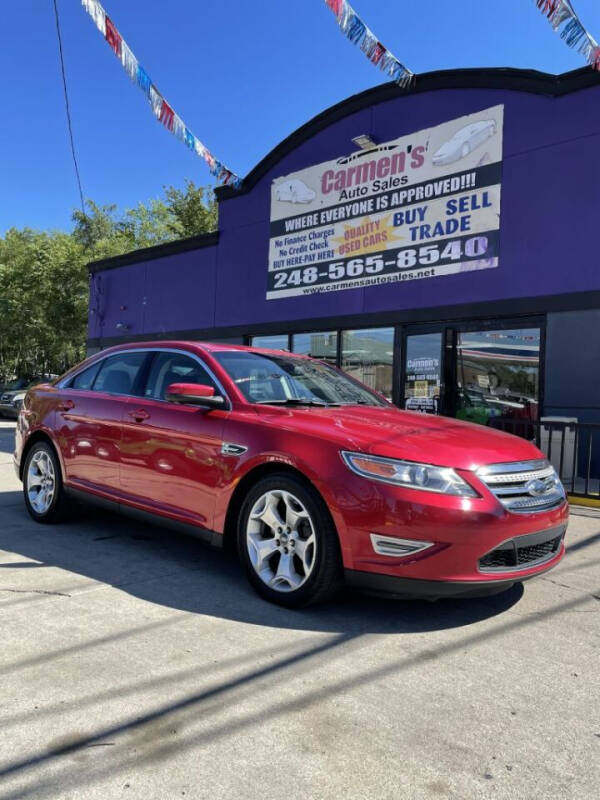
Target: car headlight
{"x": 409, "y": 474}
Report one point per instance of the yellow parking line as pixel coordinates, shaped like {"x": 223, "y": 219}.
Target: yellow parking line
{"x": 584, "y": 501}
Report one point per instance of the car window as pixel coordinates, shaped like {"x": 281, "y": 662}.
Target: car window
{"x": 85, "y": 379}
{"x": 118, "y": 373}
{"x": 18, "y": 383}
{"x": 268, "y": 378}
{"x": 168, "y": 368}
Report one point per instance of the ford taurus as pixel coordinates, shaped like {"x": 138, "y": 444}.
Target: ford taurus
{"x": 312, "y": 478}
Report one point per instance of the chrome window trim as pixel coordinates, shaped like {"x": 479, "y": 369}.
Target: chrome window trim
{"x": 189, "y": 353}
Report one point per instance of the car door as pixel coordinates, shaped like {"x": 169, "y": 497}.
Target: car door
{"x": 171, "y": 453}
{"x": 89, "y": 415}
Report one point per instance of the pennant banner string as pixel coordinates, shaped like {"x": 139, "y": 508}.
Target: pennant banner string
{"x": 162, "y": 110}
{"x": 358, "y": 33}
{"x": 562, "y": 17}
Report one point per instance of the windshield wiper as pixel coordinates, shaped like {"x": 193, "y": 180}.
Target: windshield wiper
{"x": 296, "y": 401}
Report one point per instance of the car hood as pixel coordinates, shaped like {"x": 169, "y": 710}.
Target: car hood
{"x": 409, "y": 435}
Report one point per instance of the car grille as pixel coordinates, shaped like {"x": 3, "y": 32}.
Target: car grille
{"x": 523, "y": 552}
{"x": 524, "y": 487}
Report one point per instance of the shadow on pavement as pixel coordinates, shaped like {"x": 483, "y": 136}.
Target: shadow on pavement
{"x": 181, "y": 712}
{"x": 157, "y": 565}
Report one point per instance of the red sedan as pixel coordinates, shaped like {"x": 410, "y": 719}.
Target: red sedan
{"x": 315, "y": 479}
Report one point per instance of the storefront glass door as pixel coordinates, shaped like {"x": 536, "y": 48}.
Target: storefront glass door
{"x": 423, "y": 372}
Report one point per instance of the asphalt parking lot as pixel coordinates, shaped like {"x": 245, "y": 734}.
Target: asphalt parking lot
{"x": 136, "y": 663}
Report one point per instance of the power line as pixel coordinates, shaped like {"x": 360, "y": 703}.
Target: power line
{"x": 67, "y": 108}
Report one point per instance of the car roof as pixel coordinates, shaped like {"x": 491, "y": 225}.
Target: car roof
{"x": 188, "y": 344}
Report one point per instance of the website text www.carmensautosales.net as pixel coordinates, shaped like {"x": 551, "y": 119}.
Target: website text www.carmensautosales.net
{"x": 375, "y": 280}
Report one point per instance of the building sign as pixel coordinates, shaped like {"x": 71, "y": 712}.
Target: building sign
{"x": 422, "y": 377}
{"x": 421, "y": 206}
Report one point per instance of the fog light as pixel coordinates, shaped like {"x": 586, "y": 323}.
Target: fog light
{"x": 390, "y": 546}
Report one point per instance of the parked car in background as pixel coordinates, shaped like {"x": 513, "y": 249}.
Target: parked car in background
{"x": 13, "y": 393}
{"x": 473, "y": 406}
{"x": 312, "y": 477}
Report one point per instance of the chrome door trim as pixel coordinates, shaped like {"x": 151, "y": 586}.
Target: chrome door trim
{"x": 177, "y": 350}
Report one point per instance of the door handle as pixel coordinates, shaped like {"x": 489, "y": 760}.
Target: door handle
{"x": 140, "y": 415}
{"x": 66, "y": 405}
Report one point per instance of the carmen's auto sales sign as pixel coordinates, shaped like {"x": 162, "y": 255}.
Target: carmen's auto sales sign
{"x": 421, "y": 206}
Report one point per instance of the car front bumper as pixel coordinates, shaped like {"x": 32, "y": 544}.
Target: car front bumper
{"x": 483, "y": 585}
{"x": 477, "y": 545}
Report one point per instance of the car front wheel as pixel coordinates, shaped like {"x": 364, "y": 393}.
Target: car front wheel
{"x": 288, "y": 543}
{"x": 42, "y": 484}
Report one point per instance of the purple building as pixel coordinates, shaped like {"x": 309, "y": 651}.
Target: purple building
{"x": 449, "y": 258}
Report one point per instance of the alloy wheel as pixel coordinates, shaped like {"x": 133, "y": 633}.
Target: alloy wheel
{"x": 41, "y": 482}
{"x": 281, "y": 540}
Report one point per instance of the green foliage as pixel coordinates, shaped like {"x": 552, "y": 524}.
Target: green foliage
{"x": 192, "y": 211}
{"x": 44, "y": 279}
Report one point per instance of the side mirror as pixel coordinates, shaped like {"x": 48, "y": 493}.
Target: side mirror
{"x": 194, "y": 394}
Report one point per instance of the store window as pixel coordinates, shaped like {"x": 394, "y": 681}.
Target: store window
{"x": 368, "y": 355}
{"x": 276, "y": 342}
{"x": 498, "y": 378}
{"x": 322, "y": 345}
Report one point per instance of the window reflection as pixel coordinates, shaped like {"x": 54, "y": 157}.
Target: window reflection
{"x": 322, "y": 345}
{"x": 368, "y": 355}
{"x": 498, "y": 378}
{"x": 276, "y": 342}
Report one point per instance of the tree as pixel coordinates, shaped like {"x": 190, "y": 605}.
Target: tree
{"x": 44, "y": 280}
{"x": 193, "y": 211}
{"x": 43, "y": 287}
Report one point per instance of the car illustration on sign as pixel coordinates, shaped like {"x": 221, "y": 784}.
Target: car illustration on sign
{"x": 464, "y": 142}
{"x": 314, "y": 479}
{"x": 294, "y": 191}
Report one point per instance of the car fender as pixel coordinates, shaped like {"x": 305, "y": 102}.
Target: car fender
{"x": 246, "y": 466}
{"x": 47, "y": 432}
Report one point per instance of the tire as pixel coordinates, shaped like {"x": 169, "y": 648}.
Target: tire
{"x": 297, "y": 563}
{"x": 42, "y": 465}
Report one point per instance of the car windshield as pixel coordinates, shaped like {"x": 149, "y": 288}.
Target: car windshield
{"x": 283, "y": 380}
{"x": 18, "y": 383}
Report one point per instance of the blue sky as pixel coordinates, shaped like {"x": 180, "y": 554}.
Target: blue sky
{"x": 242, "y": 75}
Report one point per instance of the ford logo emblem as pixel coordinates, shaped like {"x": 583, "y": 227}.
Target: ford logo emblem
{"x": 535, "y": 487}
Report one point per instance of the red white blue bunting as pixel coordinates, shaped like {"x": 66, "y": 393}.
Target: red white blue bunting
{"x": 162, "y": 110}
{"x": 358, "y": 33}
{"x": 562, "y": 17}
